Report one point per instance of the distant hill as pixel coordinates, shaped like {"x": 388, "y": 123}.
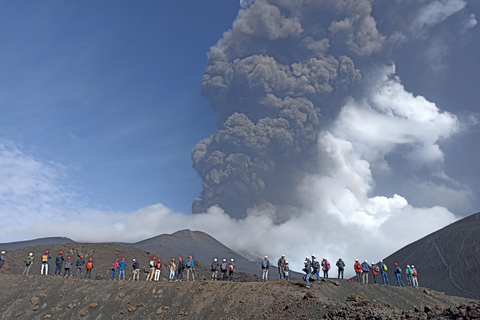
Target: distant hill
{"x": 446, "y": 260}
{"x": 34, "y": 242}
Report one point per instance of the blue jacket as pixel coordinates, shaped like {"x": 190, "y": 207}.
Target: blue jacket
{"x": 192, "y": 265}
{"x": 365, "y": 267}
{"x": 123, "y": 264}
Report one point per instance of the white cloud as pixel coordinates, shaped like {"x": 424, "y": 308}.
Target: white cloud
{"x": 436, "y": 12}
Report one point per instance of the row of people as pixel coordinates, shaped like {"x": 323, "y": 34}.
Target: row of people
{"x": 362, "y": 270}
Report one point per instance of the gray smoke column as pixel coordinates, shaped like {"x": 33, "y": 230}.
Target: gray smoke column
{"x": 283, "y": 67}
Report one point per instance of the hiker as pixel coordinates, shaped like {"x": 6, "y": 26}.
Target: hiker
{"x": 375, "y": 271}
{"x": 181, "y": 266}
{"x": 231, "y": 270}
{"x": 89, "y": 268}
{"x": 68, "y": 267}
{"x": 223, "y": 270}
{"x": 365, "y": 271}
{"x": 115, "y": 266}
{"x": 190, "y": 266}
{"x": 136, "y": 270}
{"x": 383, "y": 268}
{"x": 172, "y": 267}
{"x": 80, "y": 263}
{"x": 287, "y": 270}
{"x": 28, "y": 264}
{"x": 341, "y": 266}
{"x": 409, "y": 272}
{"x": 414, "y": 277}
{"x": 358, "y": 270}
{"x": 151, "y": 271}
{"x": 265, "y": 268}
{"x": 325, "y": 268}
{"x": 308, "y": 259}
{"x": 2, "y": 259}
{"x": 398, "y": 274}
{"x": 45, "y": 259}
{"x": 281, "y": 265}
{"x": 158, "y": 269}
{"x": 123, "y": 265}
{"x": 308, "y": 272}
{"x": 214, "y": 268}
{"x": 59, "y": 263}
{"x": 316, "y": 269}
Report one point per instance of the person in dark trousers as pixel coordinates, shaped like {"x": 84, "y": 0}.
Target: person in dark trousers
{"x": 375, "y": 270}
{"x": 316, "y": 269}
{"x": 89, "y": 267}
{"x": 358, "y": 270}
{"x": 115, "y": 266}
{"x": 190, "y": 266}
{"x": 287, "y": 270}
{"x": 214, "y": 269}
{"x": 123, "y": 265}
{"x": 398, "y": 274}
{"x": 231, "y": 270}
{"x": 68, "y": 267}
{"x": 136, "y": 270}
{"x": 59, "y": 263}
{"x": 80, "y": 263}
{"x": 365, "y": 271}
{"x": 223, "y": 270}
{"x": 325, "y": 268}
{"x": 265, "y": 268}
{"x": 341, "y": 267}
{"x": 308, "y": 272}
{"x": 181, "y": 266}
{"x": 2, "y": 259}
{"x": 281, "y": 265}
{"x": 383, "y": 269}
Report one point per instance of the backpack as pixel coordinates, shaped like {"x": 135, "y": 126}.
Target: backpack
{"x": 230, "y": 268}
{"x": 89, "y": 265}
{"x": 159, "y": 265}
{"x": 265, "y": 263}
{"x": 189, "y": 263}
{"x": 224, "y": 266}
{"x": 385, "y": 267}
{"x": 327, "y": 265}
{"x": 214, "y": 266}
{"x": 45, "y": 258}
{"x": 414, "y": 273}
{"x": 377, "y": 269}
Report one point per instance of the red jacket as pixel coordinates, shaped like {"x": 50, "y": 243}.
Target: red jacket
{"x": 358, "y": 267}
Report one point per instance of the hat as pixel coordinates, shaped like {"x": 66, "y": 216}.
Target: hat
{"x": 365, "y": 260}
{"x": 46, "y": 252}
{"x": 381, "y": 260}
{"x": 215, "y": 259}
{"x": 3, "y": 252}
{"x": 134, "y": 259}
{"x": 152, "y": 258}
{"x": 266, "y": 257}
{"x": 116, "y": 259}
{"x": 324, "y": 258}
{"x": 231, "y": 259}
{"x": 30, "y": 254}
{"x": 395, "y": 264}
{"x": 413, "y": 266}
{"x": 408, "y": 266}
{"x": 286, "y": 262}
{"x": 190, "y": 256}
{"x": 90, "y": 259}
{"x": 61, "y": 252}
{"x": 82, "y": 256}
{"x": 314, "y": 259}
{"x": 283, "y": 255}
{"x": 68, "y": 258}
{"x": 356, "y": 259}
{"x": 173, "y": 259}
{"x": 123, "y": 258}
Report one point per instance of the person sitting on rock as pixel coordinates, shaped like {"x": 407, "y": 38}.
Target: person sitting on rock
{"x": 223, "y": 270}
{"x": 68, "y": 267}
{"x": 89, "y": 268}
{"x": 190, "y": 266}
{"x": 375, "y": 272}
{"x": 123, "y": 265}
{"x": 308, "y": 272}
{"x": 45, "y": 258}
{"x": 414, "y": 277}
{"x": 383, "y": 268}
{"x": 115, "y": 266}
{"x": 158, "y": 269}
{"x": 2, "y": 259}
{"x": 231, "y": 270}
{"x": 28, "y": 264}
{"x": 398, "y": 274}
{"x": 325, "y": 268}
{"x": 265, "y": 268}
{"x": 214, "y": 269}
{"x": 341, "y": 267}
{"x": 365, "y": 271}
{"x": 59, "y": 263}
{"x": 80, "y": 263}
{"x": 172, "y": 267}
{"x": 136, "y": 270}
{"x": 316, "y": 269}
{"x": 151, "y": 271}
{"x": 287, "y": 270}
{"x": 281, "y": 265}
{"x": 358, "y": 270}
{"x": 181, "y": 266}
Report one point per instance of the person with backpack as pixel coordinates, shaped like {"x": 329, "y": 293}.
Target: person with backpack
{"x": 181, "y": 266}
{"x": 398, "y": 274}
{"x": 265, "y": 268}
{"x": 190, "y": 266}
{"x": 214, "y": 269}
{"x": 358, "y": 270}
{"x": 2, "y": 259}
{"x": 341, "y": 267}
{"x": 45, "y": 259}
{"x": 151, "y": 271}
{"x": 414, "y": 277}
{"x": 172, "y": 267}
{"x": 89, "y": 268}
{"x": 375, "y": 271}
{"x": 28, "y": 264}
{"x": 68, "y": 267}
{"x": 308, "y": 272}
{"x": 365, "y": 271}
{"x": 223, "y": 270}
{"x": 115, "y": 266}
{"x": 281, "y": 266}
{"x": 59, "y": 263}
{"x": 136, "y": 270}
{"x": 383, "y": 268}
{"x": 121, "y": 269}
{"x": 325, "y": 268}
{"x": 231, "y": 270}
{"x": 80, "y": 263}
{"x": 287, "y": 270}
{"x": 158, "y": 269}
{"x": 315, "y": 269}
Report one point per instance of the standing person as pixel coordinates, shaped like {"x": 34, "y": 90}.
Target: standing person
{"x": 265, "y": 268}
{"x": 172, "y": 267}
{"x": 315, "y": 269}
{"x": 80, "y": 263}
{"x": 136, "y": 270}
{"x": 68, "y": 267}
{"x": 214, "y": 268}
{"x": 158, "y": 269}
{"x": 414, "y": 277}
{"x": 375, "y": 271}
{"x": 308, "y": 272}
{"x": 325, "y": 268}
{"x": 383, "y": 268}
{"x": 123, "y": 265}
{"x": 45, "y": 259}
{"x": 398, "y": 274}
{"x": 358, "y": 270}
{"x": 281, "y": 266}
{"x": 223, "y": 270}
{"x": 231, "y": 270}
{"x": 59, "y": 263}
{"x": 287, "y": 270}
{"x": 341, "y": 267}
{"x": 115, "y": 266}
{"x": 365, "y": 271}
{"x": 89, "y": 268}
{"x": 409, "y": 272}
{"x": 151, "y": 271}
{"x": 190, "y": 265}
{"x": 28, "y": 264}
{"x": 2, "y": 259}
{"x": 181, "y": 266}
